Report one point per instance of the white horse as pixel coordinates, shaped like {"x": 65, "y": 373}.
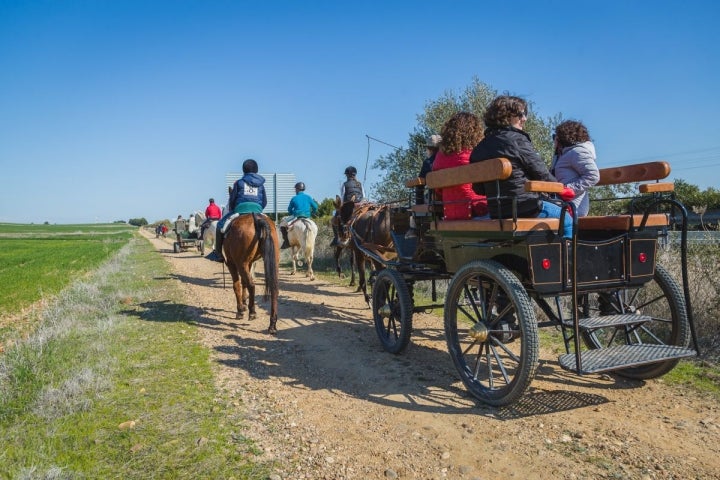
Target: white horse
{"x": 208, "y": 236}
{"x": 301, "y": 236}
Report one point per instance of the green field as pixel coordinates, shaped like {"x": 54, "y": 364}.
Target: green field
{"x": 109, "y": 379}
{"x": 41, "y": 260}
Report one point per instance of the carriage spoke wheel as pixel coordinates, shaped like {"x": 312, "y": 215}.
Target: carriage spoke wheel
{"x": 661, "y": 299}
{"x": 392, "y": 310}
{"x": 491, "y": 332}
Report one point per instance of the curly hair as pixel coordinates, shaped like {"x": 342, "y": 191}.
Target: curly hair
{"x": 461, "y": 132}
{"x": 502, "y": 109}
{"x": 571, "y": 132}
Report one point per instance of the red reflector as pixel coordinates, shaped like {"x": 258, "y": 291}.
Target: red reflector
{"x": 546, "y": 264}
{"x": 642, "y": 257}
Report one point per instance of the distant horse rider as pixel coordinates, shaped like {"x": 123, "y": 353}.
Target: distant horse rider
{"x": 352, "y": 189}
{"x": 247, "y": 196}
{"x": 301, "y": 205}
{"x": 212, "y": 213}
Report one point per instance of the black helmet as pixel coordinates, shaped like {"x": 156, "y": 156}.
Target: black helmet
{"x": 212, "y": 200}
{"x": 300, "y": 186}
{"x": 351, "y": 170}
{"x": 250, "y": 166}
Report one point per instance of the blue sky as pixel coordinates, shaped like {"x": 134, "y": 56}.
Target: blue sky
{"x": 111, "y": 110}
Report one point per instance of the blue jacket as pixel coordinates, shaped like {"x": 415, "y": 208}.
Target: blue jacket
{"x": 250, "y": 188}
{"x": 302, "y": 205}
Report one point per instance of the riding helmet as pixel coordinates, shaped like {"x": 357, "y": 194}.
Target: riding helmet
{"x": 250, "y": 166}
{"x": 351, "y": 170}
{"x": 300, "y": 187}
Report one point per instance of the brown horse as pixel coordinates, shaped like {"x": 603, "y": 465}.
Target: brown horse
{"x": 250, "y": 237}
{"x": 367, "y": 224}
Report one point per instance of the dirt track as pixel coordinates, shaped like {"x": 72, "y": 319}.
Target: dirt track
{"x": 326, "y": 402}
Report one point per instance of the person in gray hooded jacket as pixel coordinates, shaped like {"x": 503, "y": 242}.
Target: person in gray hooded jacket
{"x": 574, "y": 162}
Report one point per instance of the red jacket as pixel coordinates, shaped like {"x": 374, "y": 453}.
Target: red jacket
{"x": 213, "y": 212}
{"x": 460, "y": 202}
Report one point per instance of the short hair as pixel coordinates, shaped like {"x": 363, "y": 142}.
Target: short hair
{"x": 571, "y": 132}
{"x": 250, "y": 166}
{"x": 502, "y": 109}
{"x": 461, "y": 132}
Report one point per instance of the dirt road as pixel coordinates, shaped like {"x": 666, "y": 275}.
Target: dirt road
{"x": 326, "y": 402}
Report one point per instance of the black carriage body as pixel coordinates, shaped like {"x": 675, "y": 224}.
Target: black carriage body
{"x": 544, "y": 261}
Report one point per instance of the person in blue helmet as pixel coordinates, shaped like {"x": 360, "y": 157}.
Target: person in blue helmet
{"x": 247, "y": 196}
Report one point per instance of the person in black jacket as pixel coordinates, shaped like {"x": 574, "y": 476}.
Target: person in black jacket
{"x": 504, "y": 120}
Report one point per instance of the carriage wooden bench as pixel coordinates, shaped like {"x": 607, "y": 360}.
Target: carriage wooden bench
{"x": 500, "y": 169}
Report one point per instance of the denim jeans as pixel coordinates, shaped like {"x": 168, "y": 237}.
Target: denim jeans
{"x": 550, "y": 210}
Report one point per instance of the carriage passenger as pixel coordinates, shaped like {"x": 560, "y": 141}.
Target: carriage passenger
{"x": 574, "y": 162}
{"x": 505, "y": 119}
{"x": 352, "y": 189}
{"x": 432, "y": 146}
{"x": 459, "y": 135}
{"x": 247, "y": 196}
{"x": 301, "y": 205}
{"x": 180, "y": 227}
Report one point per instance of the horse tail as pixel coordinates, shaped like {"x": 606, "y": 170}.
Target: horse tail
{"x": 269, "y": 256}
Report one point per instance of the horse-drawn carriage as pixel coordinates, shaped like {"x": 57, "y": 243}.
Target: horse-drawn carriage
{"x": 616, "y": 308}
{"x": 186, "y": 236}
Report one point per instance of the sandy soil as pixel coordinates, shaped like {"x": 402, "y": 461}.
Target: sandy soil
{"x": 325, "y": 401}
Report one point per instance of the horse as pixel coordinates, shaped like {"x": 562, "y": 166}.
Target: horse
{"x": 208, "y": 234}
{"x": 248, "y": 238}
{"x": 342, "y": 246}
{"x": 302, "y": 233}
{"x": 368, "y": 224}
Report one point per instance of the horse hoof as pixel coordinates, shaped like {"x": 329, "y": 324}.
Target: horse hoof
{"x": 252, "y": 316}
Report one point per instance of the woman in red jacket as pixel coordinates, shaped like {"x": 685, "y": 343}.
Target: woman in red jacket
{"x": 459, "y": 135}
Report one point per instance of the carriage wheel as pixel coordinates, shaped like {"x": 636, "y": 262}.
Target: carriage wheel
{"x": 491, "y": 332}
{"x": 392, "y": 310}
{"x": 662, "y": 299}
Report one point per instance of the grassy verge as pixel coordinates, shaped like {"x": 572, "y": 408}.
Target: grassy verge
{"x": 113, "y": 384}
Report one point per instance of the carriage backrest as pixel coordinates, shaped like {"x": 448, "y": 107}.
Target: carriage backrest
{"x": 485, "y": 171}
{"x": 641, "y": 172}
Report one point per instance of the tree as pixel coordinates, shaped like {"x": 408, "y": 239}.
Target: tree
{"x": 406, "y": 162}
{"x": 138, "y": 222}
{"x": 326, "y": 207}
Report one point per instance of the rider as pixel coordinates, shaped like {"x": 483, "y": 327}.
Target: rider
{"x": 247, "y": 196}
{"x": 301, "y": 205}
{"x": 212, "y": 213}
{"x": 352, "y": 189}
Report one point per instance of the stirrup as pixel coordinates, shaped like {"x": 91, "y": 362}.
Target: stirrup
{"x": 215, "y": 257}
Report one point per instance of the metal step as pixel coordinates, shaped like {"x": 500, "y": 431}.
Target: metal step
{"x": 593, "y": 323}
{"x": 623, "y": 356}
